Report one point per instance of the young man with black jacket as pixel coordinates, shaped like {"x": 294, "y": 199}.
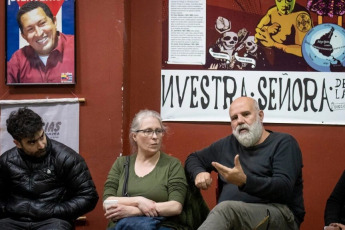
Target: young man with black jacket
{"x": 44, "y": 184}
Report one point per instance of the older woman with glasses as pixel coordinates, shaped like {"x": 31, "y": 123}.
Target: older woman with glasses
{"x": 156, "y": 188}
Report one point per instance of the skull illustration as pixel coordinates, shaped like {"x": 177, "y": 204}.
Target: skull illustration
{"x": 250, "y": 44}
{"x": 229, "y": 40}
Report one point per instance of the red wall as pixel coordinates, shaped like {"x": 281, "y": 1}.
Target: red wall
{"x": 115, "y": 49}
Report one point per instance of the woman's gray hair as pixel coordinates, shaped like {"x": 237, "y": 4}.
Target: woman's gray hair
{"x": 136, "y": 123}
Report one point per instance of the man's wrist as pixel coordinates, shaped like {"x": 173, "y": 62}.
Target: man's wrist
{"x": 242, "y": 186}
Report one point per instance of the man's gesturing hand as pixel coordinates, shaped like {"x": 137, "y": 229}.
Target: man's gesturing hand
{"x": 203, "y": 180}
{"x": 233, "y": 175}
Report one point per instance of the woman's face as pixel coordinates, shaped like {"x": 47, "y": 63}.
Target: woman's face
{"x": 149, "y": 143}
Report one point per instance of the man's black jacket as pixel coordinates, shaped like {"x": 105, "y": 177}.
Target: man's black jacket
{"x": 57, "y": 185}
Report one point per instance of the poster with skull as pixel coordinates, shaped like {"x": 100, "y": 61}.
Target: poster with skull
{"x": 263, "y": 36}
{"x": 288, "y": 55}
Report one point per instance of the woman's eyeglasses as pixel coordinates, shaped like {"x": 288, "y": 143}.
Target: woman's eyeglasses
{"x": 149, "y": 132}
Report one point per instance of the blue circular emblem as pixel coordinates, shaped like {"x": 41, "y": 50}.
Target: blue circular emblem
{"x": 323, "y": 48}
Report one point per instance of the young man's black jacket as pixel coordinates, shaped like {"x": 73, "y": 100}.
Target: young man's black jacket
{"x": 57, "y": 185}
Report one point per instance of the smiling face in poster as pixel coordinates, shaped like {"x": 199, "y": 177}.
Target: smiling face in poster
{"x": 39, "y": 31}
{"x": 40, "y": 42}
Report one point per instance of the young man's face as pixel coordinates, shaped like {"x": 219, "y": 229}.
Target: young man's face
{"x": 35, "y": 146}
{"x": 39, "y": 31}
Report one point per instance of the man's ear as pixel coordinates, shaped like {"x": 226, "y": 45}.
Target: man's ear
{"x": 17, "y": 143}
{"x": 261, "y": 115}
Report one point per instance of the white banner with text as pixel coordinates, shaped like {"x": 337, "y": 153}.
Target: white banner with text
{"x": 285, "y": 97}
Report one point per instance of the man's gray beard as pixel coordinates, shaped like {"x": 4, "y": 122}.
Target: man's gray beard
{"x": 251, "y": 137}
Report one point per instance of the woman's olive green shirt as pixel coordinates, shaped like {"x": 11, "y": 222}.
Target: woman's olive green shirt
{"x": 166, "y": 182}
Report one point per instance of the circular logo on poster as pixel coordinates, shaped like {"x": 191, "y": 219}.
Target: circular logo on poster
{"x": 303, "y": 22}
{"x": 323, "y": 48}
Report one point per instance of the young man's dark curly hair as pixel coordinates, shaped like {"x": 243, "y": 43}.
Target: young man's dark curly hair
{"x": 24, "y": 123}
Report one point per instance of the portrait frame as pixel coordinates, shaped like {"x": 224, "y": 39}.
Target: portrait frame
{"x": 43, "y": 51}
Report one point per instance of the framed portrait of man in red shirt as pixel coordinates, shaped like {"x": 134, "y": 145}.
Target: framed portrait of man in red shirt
{"x": 40, "y": 42}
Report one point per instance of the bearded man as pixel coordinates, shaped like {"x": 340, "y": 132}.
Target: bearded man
{"x": 259, "y": 174}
